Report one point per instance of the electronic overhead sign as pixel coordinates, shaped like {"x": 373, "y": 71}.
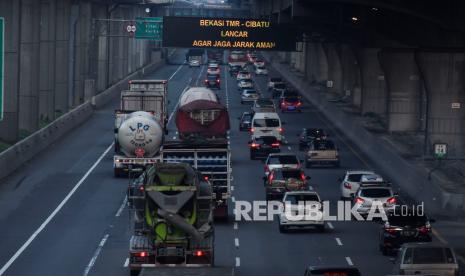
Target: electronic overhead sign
{"x": 198, "y": 32}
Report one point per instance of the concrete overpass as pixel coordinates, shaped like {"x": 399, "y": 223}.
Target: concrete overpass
{"x": 401, "y": 60}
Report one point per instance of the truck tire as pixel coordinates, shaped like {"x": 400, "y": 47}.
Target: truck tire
{"x": 117, "y": 172}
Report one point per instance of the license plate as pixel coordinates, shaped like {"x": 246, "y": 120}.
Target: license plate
{"x": 139, "y": 161}
{"x": 408, "y": 233}
{"x": 290, "y": 107}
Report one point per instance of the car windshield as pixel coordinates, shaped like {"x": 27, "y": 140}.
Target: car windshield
{"x": 355, "y": 177}
{"x": 261, "y": 68}
{"x": 283, "y": 159}
{"x": 266, "y": 123}
{"x": 267, "y": 140}
{"x": 264, "y": 103}
{"x": 280, "y": 86}
{"x": 296, "y": 198}
{"x": 376, "y": 192}
{"x": 428, "y": 255}
{"x": 291, "y": 99}
{"x": 286, "y": 174}
{"x": 212, "y": 77}
{"x": 247, "y": 117}
{"x": 249, "y": 92}
{"x": 324, "y": 145}
{"x": 408, "y": 220}
{"x": 276, "y": 80}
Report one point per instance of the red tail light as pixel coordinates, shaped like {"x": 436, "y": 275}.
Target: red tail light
{"x": 359, "y": 200}
{"x": 206, "y": 81}
{"x": 141, "y": 188}
{"x": 302, "y": 176}
{"x": 424, "y": 229}
{"x": 271, "y": 177}
{"x": 143, "y": 254}
{"x": 198, "y": 253}
{"x": 205, "y": 178}
{"x": 392, "y": 230}
{"x": 283, "y": 104}
{"x": 280, "y": 130}
{"x": 254, "y": 145}
{"x": 299, "y": 104}
{"x": 252, "y": 130}
{"x": 392, "y": 200}
{"x": 347, "y": 185}
{"x": 218, "y": 80}
{"x": 276, "y": 145}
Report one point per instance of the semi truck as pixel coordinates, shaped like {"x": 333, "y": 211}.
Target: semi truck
{"x": 194, "y": 57}
{"x": 173, "y": 219}
{"x": 237, "y": 58}
{"x": 138, "y": 122}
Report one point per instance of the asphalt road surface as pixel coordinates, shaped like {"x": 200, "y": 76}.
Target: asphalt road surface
{"x": 64, "y": 213}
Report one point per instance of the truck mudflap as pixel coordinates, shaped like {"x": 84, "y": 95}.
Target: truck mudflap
{"x": 187, "y": 271}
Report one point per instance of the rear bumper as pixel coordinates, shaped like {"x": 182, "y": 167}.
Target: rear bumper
{"x": 264, "y": 153}
{"x": 322, "y": 161}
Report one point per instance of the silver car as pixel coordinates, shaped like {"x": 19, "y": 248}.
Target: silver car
{"x": 426, "y": 259}
{"x": 249, "y": 96}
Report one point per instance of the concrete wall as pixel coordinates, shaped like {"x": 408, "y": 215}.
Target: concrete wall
{"x": 55, "y": 47}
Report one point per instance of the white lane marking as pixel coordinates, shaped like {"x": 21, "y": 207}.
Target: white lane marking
{"x": 232, "y": 187}
{"x": 330, "y": 225}
{"x": 233, "y": 199}
{"x": 289, "y": 148}
{"x": 96, "y": 254}
{"x": 126, "y": 262}
{"x": 198, "y": 78}
{"x": 238, "y": 261}
{"x": 349, "y": 261}
{"x": 235, "y": 226}
{"x": 121, "y": 208}
{"x": 174, "y": 137}
{"x": 175, "y": 72}
{"x": 236, "y": 242}
{"x": 338, "y": 240}
{"x": 53, "y": 214}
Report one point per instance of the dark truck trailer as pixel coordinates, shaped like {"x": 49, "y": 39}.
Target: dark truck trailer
{"x": 210, "y": 271}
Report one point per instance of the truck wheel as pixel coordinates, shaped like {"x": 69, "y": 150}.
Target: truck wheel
{"x": 117, "y": 172}
{"x": 134, "y": 272}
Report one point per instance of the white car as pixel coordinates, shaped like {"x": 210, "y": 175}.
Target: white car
{"x": 352, "y": 179}
{"x": 259, "y": 63}
{"x": 273, "y": 81}
{"x": 249, "y": 95}
{"x": 194, "y": 63}
{"x": 261, "y": 71}
{"x": 213, "y": 69}
{"x": 281, "y": 160}
{"x": 369, "y": 193}
{"x": 295, "y": 215}
{"x": 243, "y": 75}
{"x": 245, "y": 83}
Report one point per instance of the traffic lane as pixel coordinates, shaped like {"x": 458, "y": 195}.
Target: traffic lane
{"x": 262, "y": 249}
{"x": 113, "y": 256}
{"x": 58, "y": 181}
{"x": 324, "y": 179}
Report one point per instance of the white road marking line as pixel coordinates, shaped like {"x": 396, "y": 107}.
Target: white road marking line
{"x": 121, "y": 208}
{"x": 198, "y": 78}
{"x": 232, "y": 187}
{"x": 289, "y": 148}
{"x": 330, "y": 225}
{"x": 96, "y": 254}
{"x": 175, "y": 72}
{"x": 236, "y": 242}
{"x": 53, "y": 214}
{"x": 126, "y": 263}
{"x": 235, "y": 226}
{"x": 338, "y": 240}
{"x": 226, "y": 89}
{"x": 349, "y": 261}
{"x": 238, "y": 261}
{"x": 174, "y": 137}
{"x": 233, "y": 199}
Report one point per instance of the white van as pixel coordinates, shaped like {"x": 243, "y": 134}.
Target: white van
{"x": 266, "y": 124}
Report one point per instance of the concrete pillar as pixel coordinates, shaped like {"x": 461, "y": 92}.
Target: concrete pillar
{"x": 61, "y": 55}
{"x": 335, "y": 75}
{"x": 404, "y": 89}
{"x": 351, "y": 75}
{"x": 373, "y": 83}
{"x": 317, "y": 64}
{"x": 443, "y": 74}
{"x": 29, "y": 66}
{"x": 10, "y": 10}
{"x": 82, "y": 44}
{"x": 47, "y": 60}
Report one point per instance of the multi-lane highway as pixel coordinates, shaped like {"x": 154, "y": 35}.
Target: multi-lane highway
{"x": 64, "y": 213}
